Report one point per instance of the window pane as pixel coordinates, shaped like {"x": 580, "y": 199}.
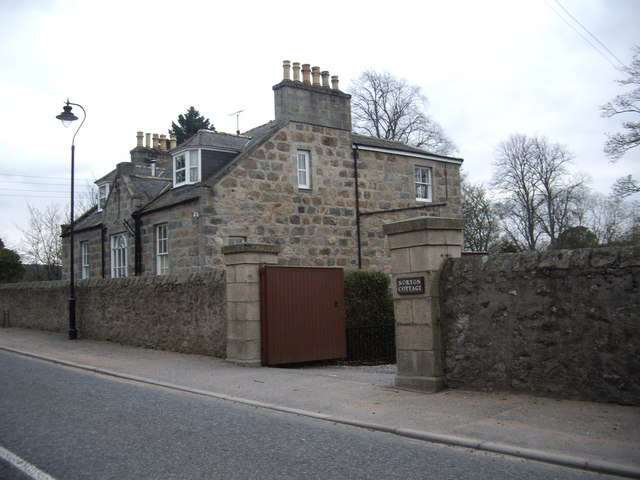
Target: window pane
{"x": 193, "y": 158}
{"x": 304, "y": 176}
{"x": 423, "y": 183}
{"x": 119, "y": 256}
{"x": 85, "y": 259}
{"x": 162, "y": 250}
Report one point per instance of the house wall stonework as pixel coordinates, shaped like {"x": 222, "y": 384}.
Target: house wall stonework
{"x": 259, "y": 199}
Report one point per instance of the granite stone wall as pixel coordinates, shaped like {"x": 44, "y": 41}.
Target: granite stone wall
{"x": 560, "y": 323}
{"x": 179, "y": 313}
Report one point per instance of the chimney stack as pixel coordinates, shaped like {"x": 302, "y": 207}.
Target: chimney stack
{"x": 315, "y": 71}
{"x": 296, "y": 71}
{"x": 306, "y": 74}
{"x": 313, "y": 101}
{"x": 286, "y": 65}
{"x": 325, "y": 79}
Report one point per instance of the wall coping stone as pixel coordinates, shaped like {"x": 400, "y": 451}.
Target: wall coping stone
{"x": 99, "y": 282}
{"x": 584, "y": 261}
{"x": 423, "y": 223}
{"x": 251, "y": 248}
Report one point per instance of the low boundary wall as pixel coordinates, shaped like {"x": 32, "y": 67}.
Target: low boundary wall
{"x": 184, "y": 313}
{"x": 560, "y": 323}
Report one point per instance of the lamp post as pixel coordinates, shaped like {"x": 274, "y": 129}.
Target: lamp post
{"x": 67, "y": 117}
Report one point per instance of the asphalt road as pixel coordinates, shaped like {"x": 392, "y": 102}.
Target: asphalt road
{"x": 77, "y": 425}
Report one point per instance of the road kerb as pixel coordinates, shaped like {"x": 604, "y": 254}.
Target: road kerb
{"x": 596, "y": 466}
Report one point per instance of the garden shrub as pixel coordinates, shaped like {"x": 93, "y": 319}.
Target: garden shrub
{"x": 368, "y": 298}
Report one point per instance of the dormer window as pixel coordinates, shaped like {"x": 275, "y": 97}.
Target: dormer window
{"x": 186, "y": 167}
{"x": 103, "y": 193}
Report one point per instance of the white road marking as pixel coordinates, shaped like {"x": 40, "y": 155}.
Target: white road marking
{"x": 24, "y": 466}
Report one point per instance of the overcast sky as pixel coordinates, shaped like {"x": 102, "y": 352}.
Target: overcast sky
{"x": 490, "y": 68}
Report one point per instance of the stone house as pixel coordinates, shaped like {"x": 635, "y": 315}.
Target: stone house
{"x": 303, "y": 181}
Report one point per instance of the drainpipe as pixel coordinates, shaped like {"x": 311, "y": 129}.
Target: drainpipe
{"x": 137, "y": 227}
{"x": 358, "y": 239}
{"x": 103, "y": 237}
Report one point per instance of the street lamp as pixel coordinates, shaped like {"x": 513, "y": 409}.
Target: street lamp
{"x": 67, "y": 117}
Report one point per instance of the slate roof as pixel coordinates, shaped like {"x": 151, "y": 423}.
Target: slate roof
{"x": 394, "y": 145}
{"x": 210, "y": 138}
{"x": 149, "y": 187}
{"x": 88, "y": 220}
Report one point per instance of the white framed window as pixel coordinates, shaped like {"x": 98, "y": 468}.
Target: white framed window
{"x": 119, "y": 256}
{"x": 162, "y": 249}
{"x": 84, "y": 249}
{"x": 103, "y": 193}
{"x": 237, "y": 240}
{"x": 303, "y": 159}
{"x": 186, "y": 167}
{"x": 424, "y": 188}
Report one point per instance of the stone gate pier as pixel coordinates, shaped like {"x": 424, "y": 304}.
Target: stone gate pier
{"x": 419, "y": 247}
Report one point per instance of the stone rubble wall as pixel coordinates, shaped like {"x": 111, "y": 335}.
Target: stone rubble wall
{"x": 559, "y": 323}
{"x": 184, "y": 313}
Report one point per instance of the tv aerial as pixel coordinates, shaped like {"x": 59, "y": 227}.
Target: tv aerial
{"x": 237, "y": 114}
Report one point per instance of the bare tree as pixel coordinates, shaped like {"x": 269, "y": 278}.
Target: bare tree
{"x": 481, "y": 222}
{"x": 627, "y": 104}
{"x": 384, "y": 107}
{"x": 41, "y": 242}
{"x": 560, "y": 194}
{"x": 610, "y": 218}
{"x": 540, "y": 199}
{"x": 515, "y": 177}
{"x": 625, "y": 187}
{"x": 87, "y": 199}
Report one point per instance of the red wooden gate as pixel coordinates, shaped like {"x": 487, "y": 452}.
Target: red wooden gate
{"x": 302, "y": 314}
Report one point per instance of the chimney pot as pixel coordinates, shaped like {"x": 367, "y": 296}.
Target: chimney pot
{"x": 334, "y": 82}
{"x": 325, "y": 79}
{"x": 174, "y": 141}
{"x": 286, "y": 65}
{"x": 306, "y": 74}
{"x": 156, "y": 141}
{"x": 139, "y": 139}
{"x": 163, "y": 142}
{"x": 316, "y": 76}
{"x": 147, "y": 140}
{"x": 296, "y": 71}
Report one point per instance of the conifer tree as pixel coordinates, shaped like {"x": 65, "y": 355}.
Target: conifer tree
{"x": 189, "y": 124}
